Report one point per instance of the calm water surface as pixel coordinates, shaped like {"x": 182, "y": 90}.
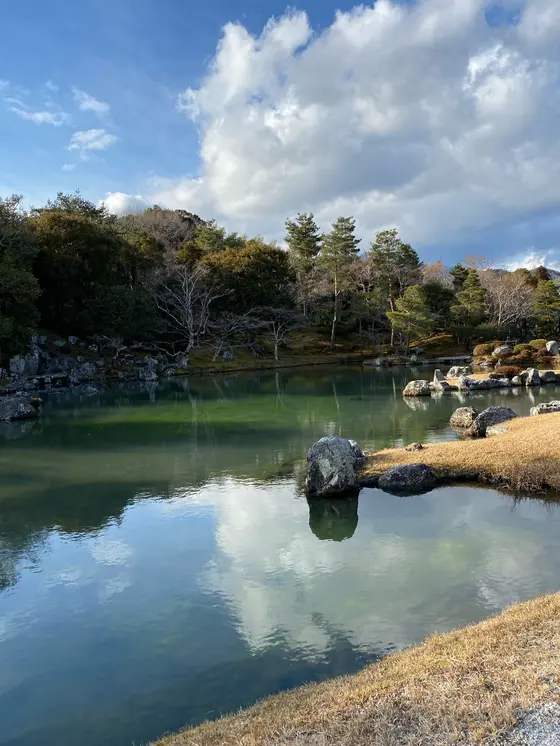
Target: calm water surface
{"x": 159, "y": 564}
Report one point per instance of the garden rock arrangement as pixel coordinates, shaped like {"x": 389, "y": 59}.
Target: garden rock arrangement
{"x": 332, "y": 467}
{"x": 545, "y": 408}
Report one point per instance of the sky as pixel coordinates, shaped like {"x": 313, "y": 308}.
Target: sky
{"x": 438, "y": 117}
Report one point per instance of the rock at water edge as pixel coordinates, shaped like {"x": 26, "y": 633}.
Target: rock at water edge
{"x": 417, "y": 388}
{"x": 331, "y": 467}
{"x": 19, "y": 408}
{"x": 490, "y": 416}
{"x": 408, "y": 479}
{"x": 463, "y": 417}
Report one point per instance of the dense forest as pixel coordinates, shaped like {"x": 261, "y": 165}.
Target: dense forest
{"x": 167, "y": 276}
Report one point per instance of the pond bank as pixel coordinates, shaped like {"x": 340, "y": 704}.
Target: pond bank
{"x": 525, "y": 457}
{"x": 465, "y": 686}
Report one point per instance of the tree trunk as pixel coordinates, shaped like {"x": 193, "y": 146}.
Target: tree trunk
{"x": 276, "y": 349}
{"x": 392, "y": 306}
{"x": 335, "y": 313}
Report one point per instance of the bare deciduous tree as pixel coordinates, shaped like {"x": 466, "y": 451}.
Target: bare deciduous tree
{"x": 437, "y": 272}
{"x": 184, "y": 297}
{"x": 227, "y": 326}
{"x": 280, "y": 321}
{"x": 508, "y": 296}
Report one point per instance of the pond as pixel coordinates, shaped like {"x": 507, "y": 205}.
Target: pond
{"x": 159, "y": 564}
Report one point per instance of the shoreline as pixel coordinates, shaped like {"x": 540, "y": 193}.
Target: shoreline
{"x": 465, "y": 686}
{"x": 526, "y": 457}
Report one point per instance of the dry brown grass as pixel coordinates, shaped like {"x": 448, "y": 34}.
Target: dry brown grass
{"x": 526, "y": 457}
{"x": 458, "y": 688}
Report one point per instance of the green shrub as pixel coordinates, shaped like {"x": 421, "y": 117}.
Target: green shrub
{"x": 538, "y": 344}
{"x": 506, "y": 371}
{"x": 483, "y": 349}
{"x": 522, "y": 348}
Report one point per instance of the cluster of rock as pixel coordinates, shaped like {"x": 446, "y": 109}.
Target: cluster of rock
{"x": 546, "y": 408}
{"x": 470, "y": 421}
{"x": 334, "y": 464}
{"x": 70, "y": 362}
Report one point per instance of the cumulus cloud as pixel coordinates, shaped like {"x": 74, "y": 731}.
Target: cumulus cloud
{"x": 56, "y": 119}
{"x": 534, "y": 259}
{"x": 86, "y": 102}
{"x": 120, "y": 203}
{"x": 423, "y": 116}
{"x": 68, "y": 166}
{"x": 88, "y": 140}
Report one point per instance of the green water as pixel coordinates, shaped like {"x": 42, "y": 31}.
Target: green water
{"x": 159, "y": 564}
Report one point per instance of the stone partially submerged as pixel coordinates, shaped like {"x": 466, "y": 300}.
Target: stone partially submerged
{"x": 408, "y": 479}
{"x": 417, "y": 388}
{"x": 19, "y": 408}
{"x": 332, "y": 467}
{"x": 459, "y": 370}
{"x": 545, "y": 408}
{"x": 463, "y": 417}
{"x": 489, "y": 417}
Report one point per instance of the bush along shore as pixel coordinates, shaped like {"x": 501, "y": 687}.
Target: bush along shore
{"x": 473, "y": 686}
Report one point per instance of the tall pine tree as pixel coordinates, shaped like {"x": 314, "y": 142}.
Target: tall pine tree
{"x": 470, "y": 308}
{"x": 304, "y": 243}
{"x": 412, "y": 316}
{"x": 339, "y": 252}
{"x": 546, "y": 307}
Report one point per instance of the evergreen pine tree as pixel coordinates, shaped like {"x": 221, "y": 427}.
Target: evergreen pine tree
{"x": 546, "y": 307}
{"x": 340, "y": 250}
{"x": 412, "y": 317}
{"x": 470, "y": 308}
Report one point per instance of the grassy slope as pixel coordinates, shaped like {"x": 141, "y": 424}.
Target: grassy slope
{"x": 526, "y": 457}
{"x": 462, "y": 687}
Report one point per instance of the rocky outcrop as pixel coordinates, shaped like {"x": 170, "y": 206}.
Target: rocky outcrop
{"x": 19, "y": 408}
{"x": 532, "y": 377}
{"x": 417, "y": 388}
{"x": 517, "y": 381}
{"x": 331, "y": 468}
{"x": 547, "y": 376}
{"x": 489, "y": 417}
{"x": 463, "y": 417}
{"x": 439, "y": 386}
{"x": 545, "y": 408}
{"x": 459, "y": 370}
{"x": 438, "y": 376}
{"x": 503, "y": 350}
{"x": 408, "y": 479}
{"x": 552, "y": 348}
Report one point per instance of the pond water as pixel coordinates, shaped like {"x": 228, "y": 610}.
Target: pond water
{"x": 159, "y": 564}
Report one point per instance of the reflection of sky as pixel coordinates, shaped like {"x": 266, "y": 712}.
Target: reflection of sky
{"x": 413, "y": 566}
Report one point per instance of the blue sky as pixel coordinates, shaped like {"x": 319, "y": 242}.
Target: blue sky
{"x": 439, "y": 117}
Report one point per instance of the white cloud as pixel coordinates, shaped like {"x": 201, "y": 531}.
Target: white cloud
{"x": 56, "y": 119}
{"x": 87, "y": 140}
{"x": 534, "y": 259}
{"x": 420, "y": 116}
{"x": 51, "y": 86}
{"x": 120, "y": 203}
{"x": 86, "y": 102}
{"x": 4, "y": 84}
{"x": 68, "y": 166}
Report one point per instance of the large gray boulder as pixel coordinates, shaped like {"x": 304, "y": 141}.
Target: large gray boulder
{"x": 463, "y": 417}
{"x": 533, "y": 377}
{"x": 331, "y": 467}
{"x": 459, "y": 370}
{"x": 517, "y": 381}
{"x": 503, "y": 350}
{"x": 19, "y": 408}
{"x": 547, "y": 376}
{"x": 490, "y": 416}
{"x": 83, "y": 372}
{"x": 438, "y": 376}
{"x": 465, "y": 383}
{"x": 545, "y": 408}
{"x": 359, "y": 456}
{"x": 439, "y": 386}
{"x": 417, "y": 388}
{"x": 408, "y": 479}
{"x": 552, "y": 348}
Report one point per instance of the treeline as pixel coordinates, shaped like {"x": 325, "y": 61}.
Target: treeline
{"x": 169, "y": 277}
